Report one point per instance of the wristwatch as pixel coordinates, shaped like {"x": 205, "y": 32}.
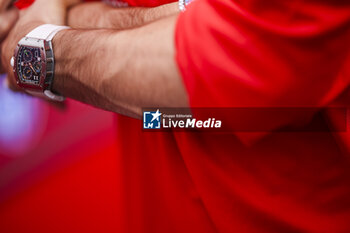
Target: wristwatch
{"x": 34, "y": 63}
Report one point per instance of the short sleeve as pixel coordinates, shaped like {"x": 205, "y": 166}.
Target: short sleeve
{"x": 263, "y": 54}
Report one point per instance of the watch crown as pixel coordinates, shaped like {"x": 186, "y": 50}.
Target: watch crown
{"x": 12, "y": 62}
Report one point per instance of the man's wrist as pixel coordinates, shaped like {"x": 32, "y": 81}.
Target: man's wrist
{"x": 81, "y": 55}
{"x": 57, "y": 84}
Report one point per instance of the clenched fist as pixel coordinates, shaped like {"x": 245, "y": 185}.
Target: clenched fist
{"x": 40, "y": 12}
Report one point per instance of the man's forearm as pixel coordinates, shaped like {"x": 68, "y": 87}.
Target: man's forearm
{"x": 99, "y": 15}
{"x": 120, "y": 71}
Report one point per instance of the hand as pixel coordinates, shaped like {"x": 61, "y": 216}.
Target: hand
{"x": 41, "y": 12}
{"x": 8, "y": 17}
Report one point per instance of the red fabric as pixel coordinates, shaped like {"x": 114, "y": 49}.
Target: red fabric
{"x": 148, "y": 3}
{"x": 21, "y": 4}
{"x": 81, "y": 197}
{"x": 243, "y": 53}
{"x": 266, "y": 54}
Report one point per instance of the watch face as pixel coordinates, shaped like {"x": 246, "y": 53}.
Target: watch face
{"x": 29, "y": 65}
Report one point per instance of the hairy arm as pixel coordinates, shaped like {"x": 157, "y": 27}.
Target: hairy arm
{"x": 100, "y": 15}
{"x": 120, "y": 71}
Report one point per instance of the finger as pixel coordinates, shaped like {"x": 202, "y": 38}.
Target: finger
{"x": 4, "y": 4}
{"x": 2, "y": 70}
{"x": 70, "y": 3}
{"x": 7, "y": 19}
{"x": 11, "y": 83}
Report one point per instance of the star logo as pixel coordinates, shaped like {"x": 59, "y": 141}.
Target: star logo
{"x": 156, "y": 115}
{"x": 151, "y": 120}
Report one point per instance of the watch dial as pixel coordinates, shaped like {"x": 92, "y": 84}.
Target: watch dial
{"x": 29, "y": 65}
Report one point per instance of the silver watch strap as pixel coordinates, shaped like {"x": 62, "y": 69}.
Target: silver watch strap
{"x": 46, "y": 32}
{"x": 47, "y": 94}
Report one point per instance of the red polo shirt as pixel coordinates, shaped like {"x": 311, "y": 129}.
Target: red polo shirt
{"x": 234, "y": 53}
{"x": 246, "y": 53}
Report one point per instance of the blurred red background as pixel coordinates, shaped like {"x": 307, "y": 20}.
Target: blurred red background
{"x": 57, "y": 167}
